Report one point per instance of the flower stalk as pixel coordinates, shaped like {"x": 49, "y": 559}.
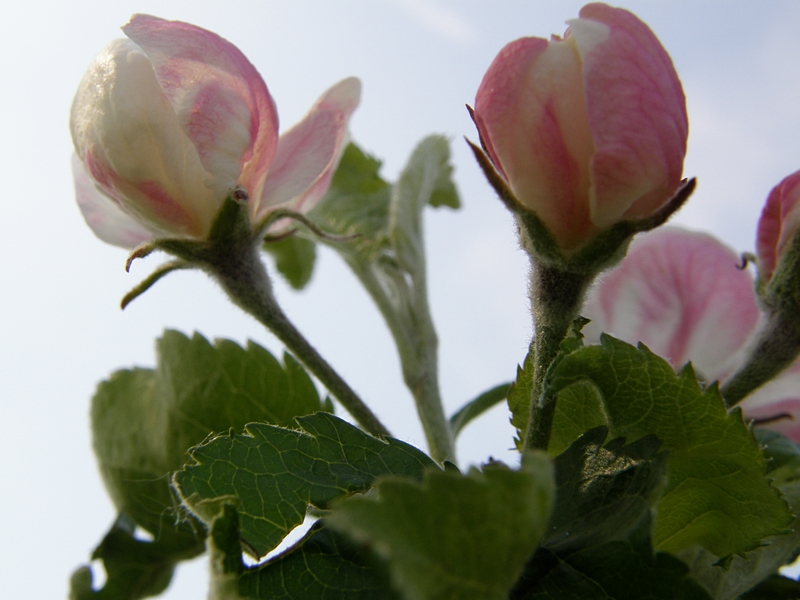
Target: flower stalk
{"x": 243, "y": 277}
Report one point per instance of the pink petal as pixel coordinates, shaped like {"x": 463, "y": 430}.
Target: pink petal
{"x": 308, "y": 153}
{"x": 779, "y": 221}
{"x": 637, "y": 114}
{"x": 108, "y": 221}
{"x": 682, "y": 295}
{"x": 220, "y": 99}
{"x": 530, "y": 111}
{"x": 781, "y": 395}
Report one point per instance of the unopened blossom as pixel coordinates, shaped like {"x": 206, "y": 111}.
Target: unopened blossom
{"x": 170, "y": 122}
{"x": 588, "y": 129}
{"x": 780, "y": 220}
{"x": 683, "y": 295}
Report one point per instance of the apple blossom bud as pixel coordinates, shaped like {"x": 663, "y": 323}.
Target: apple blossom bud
{"x": 587, "y": 130}
{"x": 171, "y": 122}
{"x": 778, "y": 224}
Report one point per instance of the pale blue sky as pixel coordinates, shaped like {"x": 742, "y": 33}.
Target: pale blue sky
{"x": 420, "y": 61}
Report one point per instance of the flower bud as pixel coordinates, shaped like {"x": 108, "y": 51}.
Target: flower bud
{"x": 682, "y": 295}
{"x": 778, "y": 224}
{"x": 587, "y": 130}
{"x": 172, "y": 121}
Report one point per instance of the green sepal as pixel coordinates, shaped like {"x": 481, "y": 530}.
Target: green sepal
{"x": 603, "y": 250}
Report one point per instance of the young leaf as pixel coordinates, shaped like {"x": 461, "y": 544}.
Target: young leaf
{"x": 519, "y": 399}
{"x": 324, "y": 564}
{"x": 476, "y": 407}
{"x": 717, "y": 494}
{"x": 294, "y": 259}
{"x": 356, "y": 204}
{"x": 455, "y": 536}
{"x": 272, "y": 473}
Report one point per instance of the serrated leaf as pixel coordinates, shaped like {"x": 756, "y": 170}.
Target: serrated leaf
{"x": 717, "y": 494}
{"x": 782, "y": 454}
{"x": 273, "y": 473}
{"x": 476, "y": 407}
{"x": 323, "y": 565}
{"x": 519, "y": 398}
{"x": 455, "y": 536}
{"x": 614, "y": 570}
{"x": 294, "y": 259}
{"x": 744, "y": 573}
{"x": 144, "y": 420}
{"x": 604, "y": 491}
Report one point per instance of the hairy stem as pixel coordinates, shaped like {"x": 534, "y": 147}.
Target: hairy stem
{"x": 556, "y": 299}
{"x": 417, "y": 346}
{"x": 775, "y": 349}
{"x": 242, "y": 275}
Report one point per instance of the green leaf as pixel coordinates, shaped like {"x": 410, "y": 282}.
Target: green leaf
{"x": 598, "y": 542}
{"x": 579, "y": 409}
{"x": 782, "y": 454}
{"x": 614, "y": 570}
{"x": 272, "y": 474}
{"x": 356, "y": 204}
{"x": 324, "y": 564}
{"x": 717, "y": 494}
{"x": 476, "y": 407}
{"x": 519, "y": 399}
{"x": 775, "y": 588}
{"x": 604, "y": 493}
{"x": 455, "y": 536}
{"x": 144, "y": 420}
{"x": 426, "y": 179}
{"x": 294, "y": 259}
{"x": 744, "y": 573}
{"x": 134, "y": 568}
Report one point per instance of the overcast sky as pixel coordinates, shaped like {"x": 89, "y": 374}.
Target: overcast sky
{"x": 420, "y": 61}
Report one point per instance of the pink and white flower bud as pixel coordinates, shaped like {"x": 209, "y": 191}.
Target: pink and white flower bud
{"x": 587, "y": 130}
{"x": 779, "y": 222}
{"x": 682, "y": 294}
{"x": 168, "y": 123}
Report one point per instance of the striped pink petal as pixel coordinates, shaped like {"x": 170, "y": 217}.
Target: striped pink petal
{"x": 779, "y": 221}
{"x": 221, "y": 101}
{"x": 637, "y": 115}
{"x": 530, "y": 110}
{"x": 103, "y": 215}
{"x": 682, "y": 295}
{"x": 308, "y": 153}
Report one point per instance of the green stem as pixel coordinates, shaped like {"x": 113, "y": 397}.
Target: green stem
{"x": 775, "y": 349}
{"x": 417, "y": 346}
{"x": 556, "y": 299}
{"x": 242, "y": 275}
